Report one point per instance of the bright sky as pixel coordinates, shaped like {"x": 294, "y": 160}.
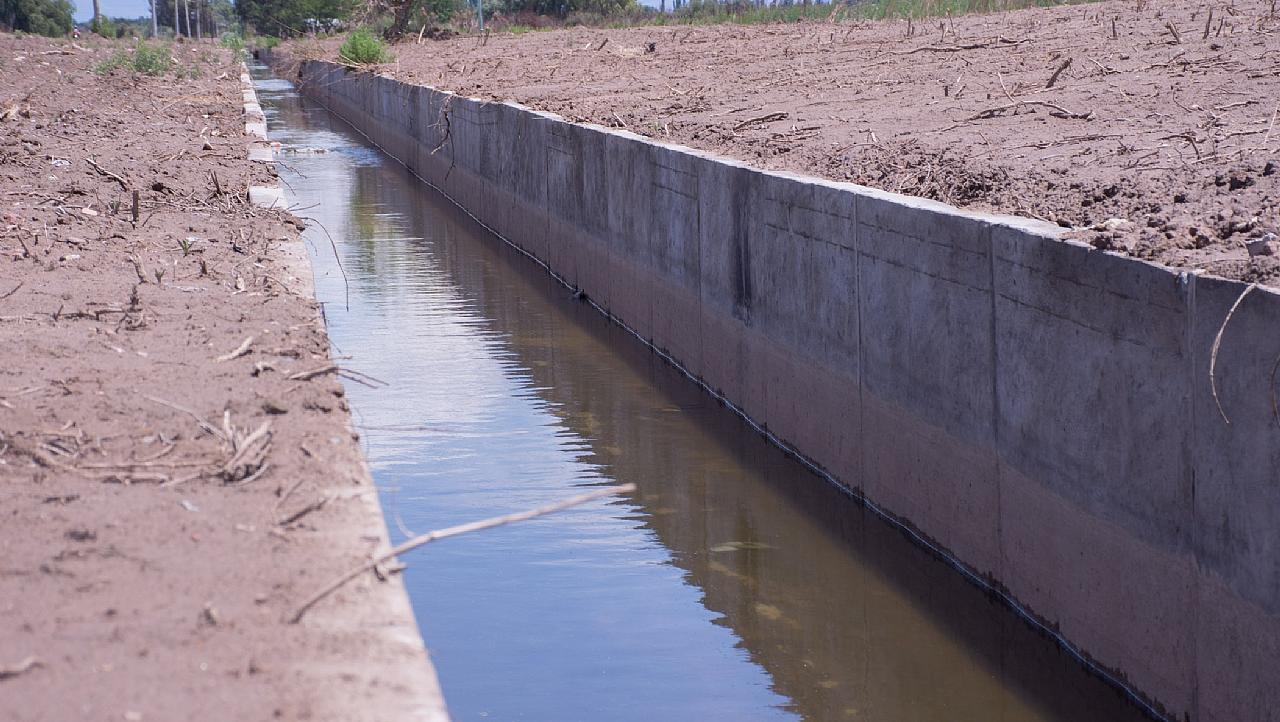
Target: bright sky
{"x": 112, "y": 9}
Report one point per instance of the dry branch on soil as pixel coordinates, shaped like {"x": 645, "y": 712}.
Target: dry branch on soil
{"x": 297, "y": 614}
{"x": 22, "y": 667}
{"x": 1217, "y": 343}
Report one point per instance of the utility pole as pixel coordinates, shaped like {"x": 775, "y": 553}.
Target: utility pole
{"x": 480, "y": 13}
{"x": 175, "y": 19}
{"x": 155, "y": 29}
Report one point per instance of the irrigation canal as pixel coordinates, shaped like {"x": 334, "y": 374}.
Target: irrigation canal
{"x": 734, "y": 585}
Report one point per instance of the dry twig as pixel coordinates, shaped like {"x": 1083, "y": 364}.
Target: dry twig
{"x": 767, "y": 118}
{"x": 1061, "y": 69}
{"x": 124, "y": 185}
{"x": 414, "y": 543}
{"x": 239, "y": 351}
{"x": 204, "y": 424}
{"x": 1000, "y": 42}
{"x": 22, "y": 667}
{"x": 1217, "y": 343}
{"x": 316, "y": 505}
{"x": 1058, "y": 110}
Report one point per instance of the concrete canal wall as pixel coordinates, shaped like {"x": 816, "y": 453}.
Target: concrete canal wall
{"x": 1040, "y": 410}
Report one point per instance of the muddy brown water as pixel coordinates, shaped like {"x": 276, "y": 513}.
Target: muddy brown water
{"x": 736, "y": 584}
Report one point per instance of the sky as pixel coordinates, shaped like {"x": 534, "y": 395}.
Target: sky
{"x": 112, "y": 9}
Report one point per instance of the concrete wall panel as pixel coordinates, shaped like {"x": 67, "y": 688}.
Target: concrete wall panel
{"x": 675, "y": 256}
{"x": 1083, "y": 371}
{"x": 732, "y": 353}
{"x": 924, "y": 296}
{"x": 1237, "y": 500}
{"x": 629, "y": 180}
{"x": 1091, "y": 353}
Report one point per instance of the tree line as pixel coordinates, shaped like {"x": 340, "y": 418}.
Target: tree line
{"x": 396, "y": 17}
{"x": 187, "y": 18}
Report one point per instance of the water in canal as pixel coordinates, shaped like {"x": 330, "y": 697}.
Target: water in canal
{"x": 734, "y": 585}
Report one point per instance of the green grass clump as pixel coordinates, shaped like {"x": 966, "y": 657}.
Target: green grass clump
{"x": 232, "y": 41}
{"x": 884, "y": 9}
{"x": 145, "y": 59}
{"x": 103, "y": 27}
{"x": 118, "y": 60}
{"x": 747, "y": 12}
{"x": 711, "y": 12}
{"x": 363, "y": 48}
{"x": 151, "y": 59}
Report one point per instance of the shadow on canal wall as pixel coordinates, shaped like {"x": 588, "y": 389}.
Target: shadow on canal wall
{"x": 1040, "y": 411}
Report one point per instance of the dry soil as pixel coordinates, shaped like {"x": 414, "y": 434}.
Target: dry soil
{"x": 177, "y": 468}
{"x": 1148, "y": 126}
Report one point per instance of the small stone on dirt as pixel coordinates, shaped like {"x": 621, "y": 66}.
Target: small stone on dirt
{"x": 1114, "y": 224}
{"x": 1263, "y": 246}
{"x": 274, "y": 408}
{"x": 209, "y": 615}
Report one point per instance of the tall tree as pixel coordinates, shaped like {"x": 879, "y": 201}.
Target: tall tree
{"x": 44, "y": 17}
{"x": 97, "y": 16}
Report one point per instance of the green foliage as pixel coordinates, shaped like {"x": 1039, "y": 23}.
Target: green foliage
{"x": 266, "y": 42}
{"x": 883, "y": 9}
{"x": 151, "y": 59}
{"x": 233, "y": 41}
{"x": 118, "y": 28}
{"x": 291, "y": 17}
{"x": 103, "y": 27}
{"x": 746, "y": 13}
{"x": 145, "y": 59}
{"x": 363, "y": 48}
{"x": 120, "y": 59}
{"x": 566, "y": 8}
{"x": 442, "y": 11}
{"x": 43, "y": 17}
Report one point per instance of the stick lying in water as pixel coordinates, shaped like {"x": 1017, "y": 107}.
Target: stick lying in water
{"x": 467, "y": 528}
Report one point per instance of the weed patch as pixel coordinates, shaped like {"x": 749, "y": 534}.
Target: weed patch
{"x": 363, "y": 48}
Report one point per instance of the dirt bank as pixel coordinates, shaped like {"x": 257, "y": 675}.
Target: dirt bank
{"x": 1152, "y": 113}
{"x": 176, "y": 468}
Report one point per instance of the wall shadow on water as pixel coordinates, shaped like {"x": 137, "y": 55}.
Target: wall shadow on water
{"x": 850, "y": 618}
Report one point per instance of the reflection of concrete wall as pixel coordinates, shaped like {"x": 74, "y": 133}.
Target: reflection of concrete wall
{"x": 1040, "y": 409}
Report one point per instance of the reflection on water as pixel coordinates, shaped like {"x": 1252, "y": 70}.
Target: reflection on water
{"x": 735, "y": 585}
